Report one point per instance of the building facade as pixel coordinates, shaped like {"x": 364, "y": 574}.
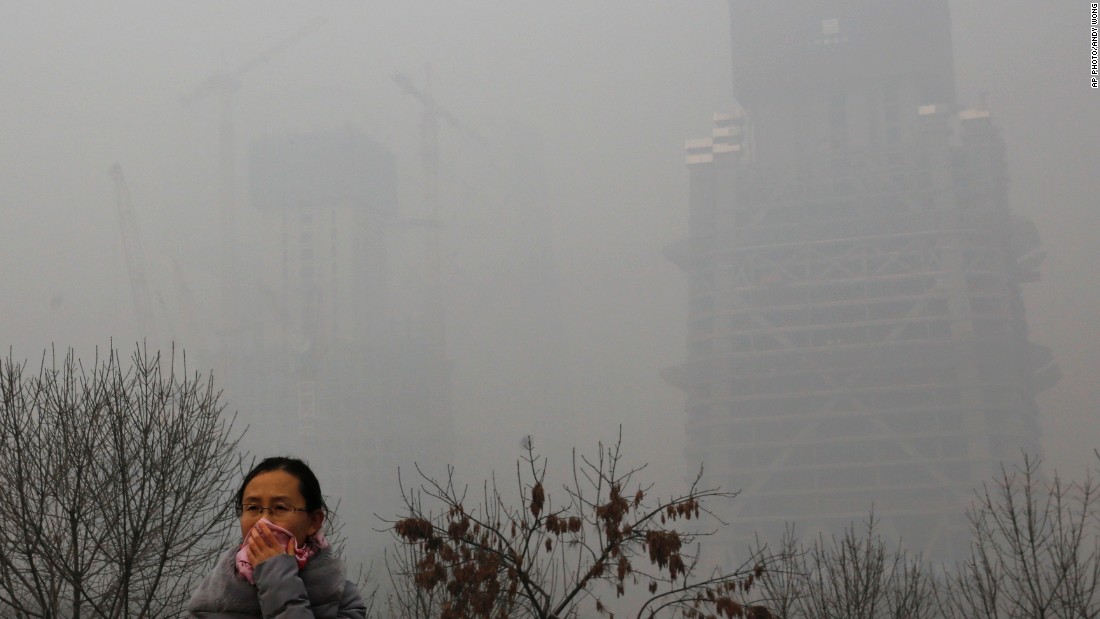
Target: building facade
{"x": 330, "y": 370}
{"x": 856, "y": 332}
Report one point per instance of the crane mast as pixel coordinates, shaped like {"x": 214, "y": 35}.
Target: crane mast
{"x": 430, "y": 119}
{"x": 225, "y": 84}
{"x": 134, "y": 254}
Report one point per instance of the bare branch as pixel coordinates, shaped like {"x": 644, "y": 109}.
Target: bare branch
{"x": 540, "y": 558}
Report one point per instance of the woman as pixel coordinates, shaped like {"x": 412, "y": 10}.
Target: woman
{"x": 284, "y": 567}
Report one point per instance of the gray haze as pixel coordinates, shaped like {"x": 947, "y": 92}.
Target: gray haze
{"x": 611, "y": 89}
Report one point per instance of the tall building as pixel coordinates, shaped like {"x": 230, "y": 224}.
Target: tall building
{"x": 856, "y": 333}
{"x": 330, "y": 371}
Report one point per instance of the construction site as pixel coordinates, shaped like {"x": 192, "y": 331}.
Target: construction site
{"x": 857, "y": 341}
{"x": 856, "y": 337}
{"x": 307, "y": 335}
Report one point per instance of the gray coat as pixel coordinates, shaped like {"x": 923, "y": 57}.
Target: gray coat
{"x": 318, "y": 591}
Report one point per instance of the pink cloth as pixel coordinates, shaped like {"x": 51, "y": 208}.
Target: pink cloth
{"x": 302, "y": 553}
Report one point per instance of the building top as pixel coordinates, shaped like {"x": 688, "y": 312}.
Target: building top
{"x": 787, "y": 48}
{"x": 330, "y": 168}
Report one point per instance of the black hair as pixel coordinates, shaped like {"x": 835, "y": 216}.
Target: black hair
{"x": 307, "y": 481}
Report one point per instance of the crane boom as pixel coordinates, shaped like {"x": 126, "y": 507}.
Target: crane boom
{"x": 223, "y": 80}
{"x": 224, "y": 84}
{"x": 433, "y": 108}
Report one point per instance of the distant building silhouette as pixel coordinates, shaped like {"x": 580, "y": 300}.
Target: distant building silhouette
{"x": 329, "y": 370}
{"x": 856, "y": 334}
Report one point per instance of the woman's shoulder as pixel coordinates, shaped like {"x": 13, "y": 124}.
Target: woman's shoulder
{"x": 351, "y": 603}
{"x": 329, "y": 588}
{"x": 324, "y": 574}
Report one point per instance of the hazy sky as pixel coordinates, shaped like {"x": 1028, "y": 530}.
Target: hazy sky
{"x": 613, "y": 88}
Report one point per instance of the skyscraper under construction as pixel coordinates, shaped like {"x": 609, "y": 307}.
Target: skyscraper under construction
{"x": 856, "y": 332}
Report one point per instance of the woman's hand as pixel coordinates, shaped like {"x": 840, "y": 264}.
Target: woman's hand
{"x": 262, "y": 544}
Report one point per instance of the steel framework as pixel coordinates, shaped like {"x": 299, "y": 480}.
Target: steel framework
{"x": 856, "y": 338}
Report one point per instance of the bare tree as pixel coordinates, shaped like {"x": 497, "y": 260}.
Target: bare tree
{"x": 1034, "y": 549}
{"x": 114, "y": 485}
{"x": 534, "y": 557}
{"x": 853, "y": 576}
{"x": 1035, "y": 553}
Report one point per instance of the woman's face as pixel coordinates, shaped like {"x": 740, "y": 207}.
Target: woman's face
{"x": 279, "y": 488}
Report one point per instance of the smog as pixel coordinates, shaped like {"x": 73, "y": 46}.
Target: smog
{"x": 417, "y": 233}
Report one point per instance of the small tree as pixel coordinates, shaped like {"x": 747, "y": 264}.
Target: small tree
{"x": 1035, "y": 553}
{"x": 536, "y": 557}
{"x": 113, "y": 486}
{"x": 853, "y": 576}
{"x": 1035, "y": 549}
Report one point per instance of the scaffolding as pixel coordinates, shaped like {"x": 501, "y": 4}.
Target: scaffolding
{"x": 856, "y": 337}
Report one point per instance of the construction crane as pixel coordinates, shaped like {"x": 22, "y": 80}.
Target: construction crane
{"x": 429, "y": 154}
{"x": 437, "y": 383}
{"x": 225, "y": 84}
{"x": 429, "y": 158}
{"x": 134, "y": 253}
